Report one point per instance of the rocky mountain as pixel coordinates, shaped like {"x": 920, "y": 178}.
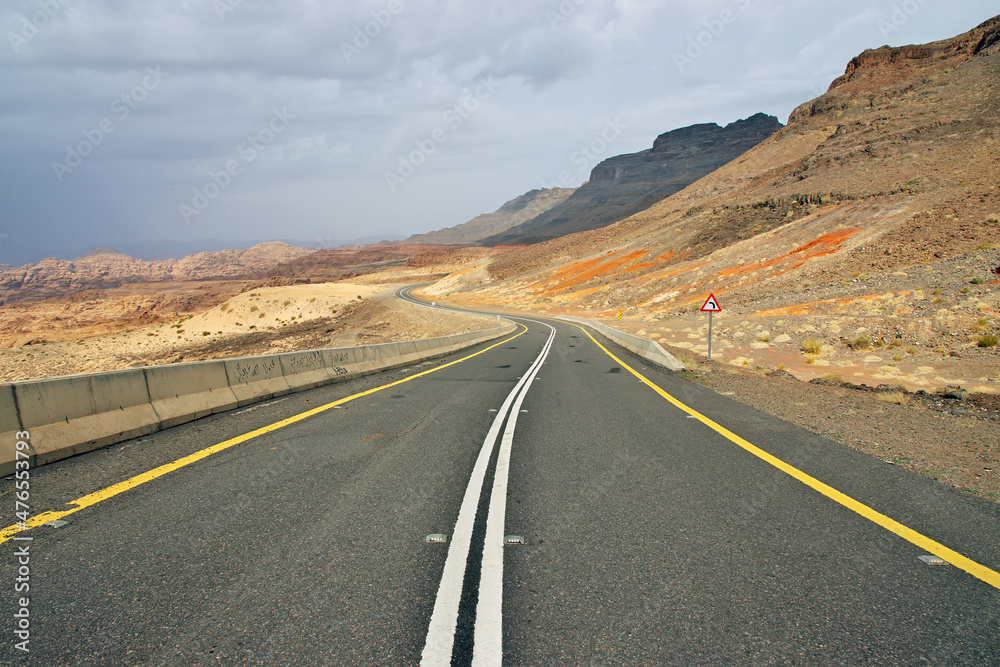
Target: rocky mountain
{"x": 626, "y": 184}
{"x": 888, "y": 181}
{"x": 515, "y": 212}
{"x": 105, "y": 268}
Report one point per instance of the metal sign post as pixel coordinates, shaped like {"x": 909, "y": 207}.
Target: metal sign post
{"x": 711, "y": 307}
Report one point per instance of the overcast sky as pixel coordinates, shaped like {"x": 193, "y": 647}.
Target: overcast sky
{"x": 125, "y": 121}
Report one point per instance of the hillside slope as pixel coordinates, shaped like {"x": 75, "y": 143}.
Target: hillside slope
{"x": 626, "y": 184}
{"x": 874, "y": 213}
{"x": 515, "y": 212}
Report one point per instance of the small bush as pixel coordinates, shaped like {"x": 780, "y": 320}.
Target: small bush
{"x": 980, "y": 325}
{"x": 206, "y": 333}
{"x": 911, "y": 350}
{"x": 978, "y": 280}
{"x": 937, "y": 291}
{"x": 862, "y": 342}
{"x": 812, "y": 345}
{"x": 989, "y": 340}
{"x": 254, "y": 309}
{"x": 897, "y": 357}
{"x": 938, "y": 300}
{"x": 765, "y": 339}
{"x": 833, "y": 377}
{"x": 965, "y": 290}
{"x": 897, "y": 397}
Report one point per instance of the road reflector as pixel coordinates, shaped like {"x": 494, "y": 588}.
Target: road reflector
{"x": 933, "y": 560}
{"x": 436, "y": 538}
{"x": 513, "y": 539}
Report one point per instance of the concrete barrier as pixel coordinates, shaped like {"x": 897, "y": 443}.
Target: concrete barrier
{"x": 79, "y": 413}
{"x": 645, "y": 348}
{"x": 182, "y": 392}
{"x": 255, "y": 379}
{"x": 10, "y": 425}
{"x": 342, "y": 363}
{"x": 304, "y": 370}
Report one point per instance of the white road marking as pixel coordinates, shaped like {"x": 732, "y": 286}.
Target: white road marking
{"x": 488, "y": 641}
{"x": 262, "y": 405}
{"x": 444, "y": 619}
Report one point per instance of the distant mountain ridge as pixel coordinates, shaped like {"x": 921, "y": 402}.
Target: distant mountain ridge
{"x": 515, "y": 212}
{"x": 882, "y": 187}
{"x": 626, "y": 184}
{"x": 105, "y": 268}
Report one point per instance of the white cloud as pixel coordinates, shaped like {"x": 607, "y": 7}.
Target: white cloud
{"x": 355, "y": 115}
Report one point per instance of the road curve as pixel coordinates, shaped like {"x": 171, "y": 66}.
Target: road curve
{"x": 650, "y": 534}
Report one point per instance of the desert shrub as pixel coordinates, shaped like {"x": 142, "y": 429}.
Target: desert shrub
{"x": 812, "y": 345}
{"x": 897, "y": 397}
{"x": 989, "y": 340}
{"x": 833, "y": 377}
{"x": 254, "y": 309}
{"x": 862, "y": 342}
{"x": 977, "y": 280}
{"x": 765, "y": 339}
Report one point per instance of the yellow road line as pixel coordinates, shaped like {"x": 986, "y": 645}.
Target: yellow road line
{"x": 982, "y": 572}
{"x": 121, "y": 487}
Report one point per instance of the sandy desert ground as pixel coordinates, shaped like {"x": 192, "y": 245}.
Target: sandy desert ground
{"x": 257, "y": 321}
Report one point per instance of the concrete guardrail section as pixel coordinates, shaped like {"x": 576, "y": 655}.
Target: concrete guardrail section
{"x": 79, "y": 413}
{"x": 645, "y": 348}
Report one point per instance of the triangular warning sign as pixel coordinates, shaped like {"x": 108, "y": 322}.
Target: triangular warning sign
{"x": 711, "y": 305}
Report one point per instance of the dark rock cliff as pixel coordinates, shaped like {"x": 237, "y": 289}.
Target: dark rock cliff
{"x": 626, "y": 184}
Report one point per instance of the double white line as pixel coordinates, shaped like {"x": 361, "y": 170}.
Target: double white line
{"x": 488, "y": 638}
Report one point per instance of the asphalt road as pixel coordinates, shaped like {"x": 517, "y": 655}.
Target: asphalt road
{"x": 649, "y": 536}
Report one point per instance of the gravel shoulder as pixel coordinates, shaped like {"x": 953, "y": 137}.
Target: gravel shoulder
{"x": 953, "y": 440}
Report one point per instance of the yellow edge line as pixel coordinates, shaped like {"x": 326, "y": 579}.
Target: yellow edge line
{"x": 99, "y": 496}
{"x": 958, "y": 560}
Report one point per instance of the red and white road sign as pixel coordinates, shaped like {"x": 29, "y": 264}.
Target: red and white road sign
{"x": 711, "y": 305}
